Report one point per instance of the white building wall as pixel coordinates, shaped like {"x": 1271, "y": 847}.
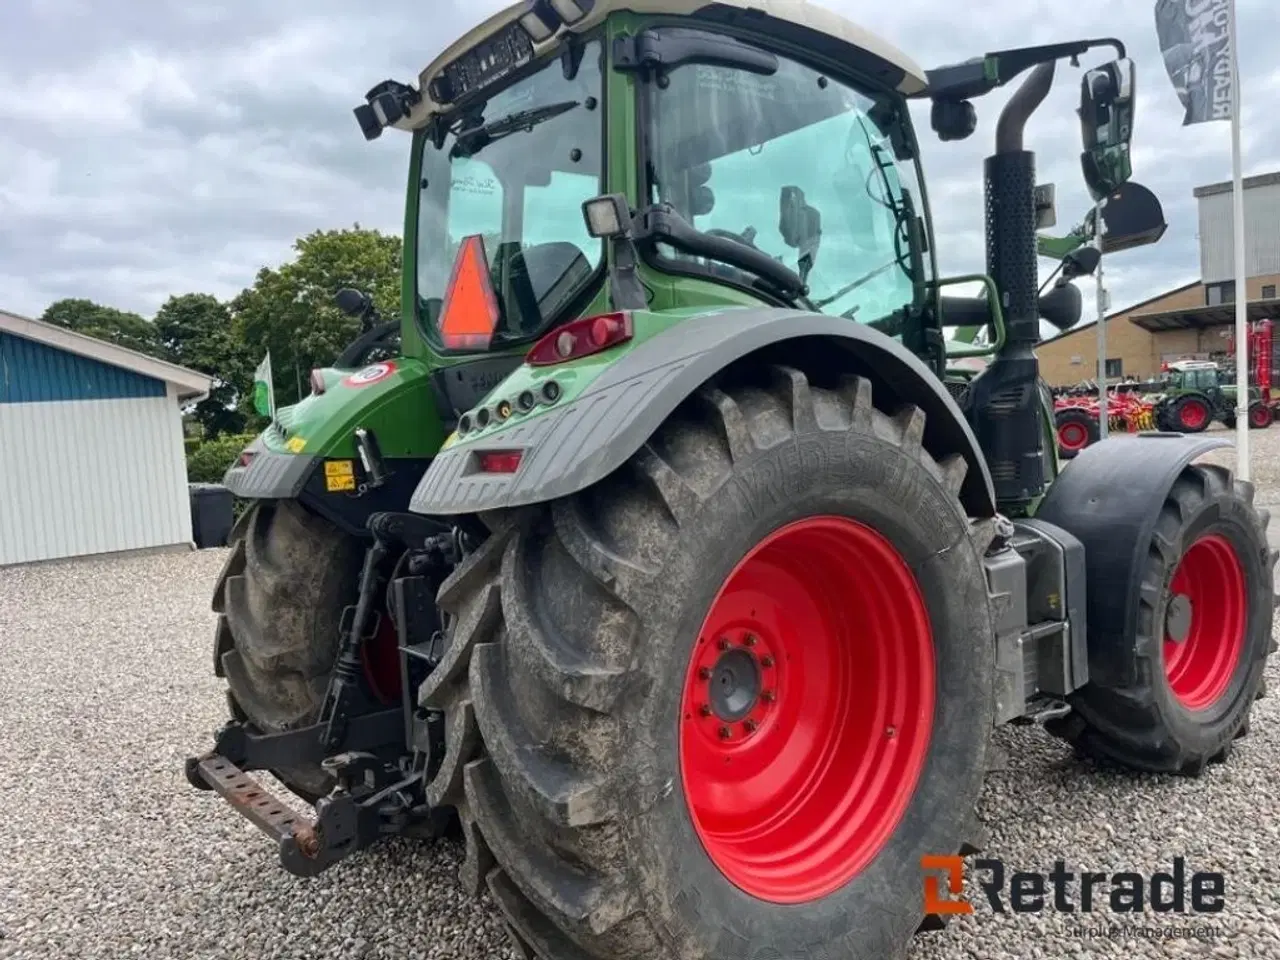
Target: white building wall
{"x": 86, "y": 477}
{"x": 1262, "y": 234}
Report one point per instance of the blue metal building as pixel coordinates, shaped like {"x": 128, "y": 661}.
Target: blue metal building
{"x": 91, "y": 454}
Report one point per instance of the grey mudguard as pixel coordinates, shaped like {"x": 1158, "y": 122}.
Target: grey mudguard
{"x": 1110, "y": 497}
{"x": 569, "y": 449}
{"x": 269, "y": 475}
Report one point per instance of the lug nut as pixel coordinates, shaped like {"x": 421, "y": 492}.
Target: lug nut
{"x": 705, "y": 710}
{"x": 750, "y": 641}
{"x": 750, "y": 726}
{"x": 767, "y": 662}
{"x": 890, "y": 732}
{"x": 725, "y": 733}
{"x": 723, "y": 643}
{"x": 704, "y": 673}
{"x": 768, "y": 696}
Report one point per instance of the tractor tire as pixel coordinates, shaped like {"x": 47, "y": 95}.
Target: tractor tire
{"x": 1190, "y": 414}
{"x": 1077, "y": 429}
{"x": 698, "y": 709}
{"x": 1173, "y": 697}
{"x": 1260, "y": 416}
{"x": 280, "y": 599}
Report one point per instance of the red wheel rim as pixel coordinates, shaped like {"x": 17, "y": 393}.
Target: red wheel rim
{"x": 1259, "y": 416}
{"x": 1194, "y": 414}
{"x": 1204, "y": 639}
{"x": 1073, "y": 436}
{"x": 381, "y": 659}
{"x": 807, "y": 709}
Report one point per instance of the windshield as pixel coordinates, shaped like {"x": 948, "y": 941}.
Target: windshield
{"x": 800, "y": 166}
{"x": 516, "y": 171}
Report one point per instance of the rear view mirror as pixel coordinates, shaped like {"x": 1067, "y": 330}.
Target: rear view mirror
{"x": 1107, "y": 105}
{"x": 1131, "y": 217}
{"x": 352, "y": 302}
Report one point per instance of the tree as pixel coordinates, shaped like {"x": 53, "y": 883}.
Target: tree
{"x": 106, "y": 323}
{"x": 290, "y": 310}
{"x": 195, "y": 331}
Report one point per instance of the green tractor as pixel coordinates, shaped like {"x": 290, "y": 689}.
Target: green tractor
{"x": 1194, "y": 396}
{"x": 669, "y": 565}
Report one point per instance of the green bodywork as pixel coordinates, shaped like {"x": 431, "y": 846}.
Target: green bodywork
{"x": 401, "y": 409}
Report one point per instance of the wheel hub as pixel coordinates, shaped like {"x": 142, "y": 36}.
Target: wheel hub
{"x": 735, "y": 685}
{"x": 1177, "y": 621}
{"x": 737, "y": 680}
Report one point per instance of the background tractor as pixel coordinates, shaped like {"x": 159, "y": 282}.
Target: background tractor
{"x": 1195, "y": 396}
{"x": 676, "y": 562}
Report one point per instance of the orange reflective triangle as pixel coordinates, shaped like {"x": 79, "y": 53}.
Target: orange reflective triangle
{"x": 470, "y": 313}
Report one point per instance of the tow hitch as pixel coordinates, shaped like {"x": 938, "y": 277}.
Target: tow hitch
{"x": 380, "y": 759}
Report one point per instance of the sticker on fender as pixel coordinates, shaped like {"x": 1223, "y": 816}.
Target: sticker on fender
{"x": 339, "y": 475}
{"x": 374, "y": 373}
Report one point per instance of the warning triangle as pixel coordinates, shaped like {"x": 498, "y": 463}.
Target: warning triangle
{"x": 470, "y": 313}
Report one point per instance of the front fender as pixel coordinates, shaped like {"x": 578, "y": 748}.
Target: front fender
{"x": 570, "y": 448}
{"x": 1110, "y": 497}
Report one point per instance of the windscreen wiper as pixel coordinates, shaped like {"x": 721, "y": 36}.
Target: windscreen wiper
{"x": 469, "y": 142}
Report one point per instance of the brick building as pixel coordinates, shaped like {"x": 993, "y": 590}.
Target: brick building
{"x": 1196, "y": 319}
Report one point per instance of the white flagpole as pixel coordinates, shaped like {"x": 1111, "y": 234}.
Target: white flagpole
{"x": 1100, "y": 299}
{"x": 1241, "y": 280}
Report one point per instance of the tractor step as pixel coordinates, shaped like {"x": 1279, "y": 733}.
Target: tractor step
{"x": 295, "y": 834}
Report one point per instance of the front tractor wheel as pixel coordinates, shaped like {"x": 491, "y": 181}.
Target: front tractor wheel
{"x": 1172, "y": 695}
{"x": 725, "y": 700}
{"x": 1190, "y": 415}
{"x": 1077, "y": 429}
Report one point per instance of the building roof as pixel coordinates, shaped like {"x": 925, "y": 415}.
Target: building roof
{"x": 1201, "y": 318}
{"x": 190, "y": 384}
{"x": 1264, "y": 180}
{"x": 1080, "y": 328}
{"x": 910, "y": 79}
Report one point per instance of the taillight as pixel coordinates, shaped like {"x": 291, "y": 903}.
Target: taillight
{"x": 317, "y": 382}
{"x": 581, "y": 338}
{"x": 499, "y": 461}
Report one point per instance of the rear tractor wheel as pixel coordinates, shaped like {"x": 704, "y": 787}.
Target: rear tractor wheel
{"x": 280, "y": 601}
{"x": 1259, "y": 416}
{"x": 723, "y": 702}
{"x": 1171, "y": 695}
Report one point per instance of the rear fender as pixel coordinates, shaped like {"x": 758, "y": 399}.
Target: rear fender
{"x": 568, "y": 449}
{"x": 1109, "y": 497}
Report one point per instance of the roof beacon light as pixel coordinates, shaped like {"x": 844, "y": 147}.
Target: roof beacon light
{"x": 581, "y": 338}
{"x": 541, "y": 22}
{"x": 470, "y": 314}
{"x": 571, "y": 11}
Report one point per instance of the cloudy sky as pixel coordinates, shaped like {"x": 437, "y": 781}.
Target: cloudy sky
{"x": 149, "y": 147}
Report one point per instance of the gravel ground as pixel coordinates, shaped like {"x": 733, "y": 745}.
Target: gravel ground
{"x": 105, "y": 851}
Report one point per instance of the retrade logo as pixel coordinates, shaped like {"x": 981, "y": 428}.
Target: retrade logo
{"x": 1032, "y": 891}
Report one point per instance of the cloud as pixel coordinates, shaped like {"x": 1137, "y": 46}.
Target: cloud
{"x": 153, "y": 148}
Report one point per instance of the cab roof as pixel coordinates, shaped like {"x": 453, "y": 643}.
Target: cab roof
{"x": 813, "y": 25}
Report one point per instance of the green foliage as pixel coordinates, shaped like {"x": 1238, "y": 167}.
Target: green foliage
{"x": 194, "y": 330}
{"x": 191, "y": 444}
{"x": 290, "y": 310}
{"x": 106, "y": 323}
{"x": 209, "y": 461}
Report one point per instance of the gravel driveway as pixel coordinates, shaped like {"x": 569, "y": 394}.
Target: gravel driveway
{"x": 105, "y": 851}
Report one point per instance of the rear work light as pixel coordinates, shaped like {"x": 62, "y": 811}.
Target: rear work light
{"x": 317, "y": 382}
{"x": 581, "y": 338}
{"x": 499, "y": 461}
